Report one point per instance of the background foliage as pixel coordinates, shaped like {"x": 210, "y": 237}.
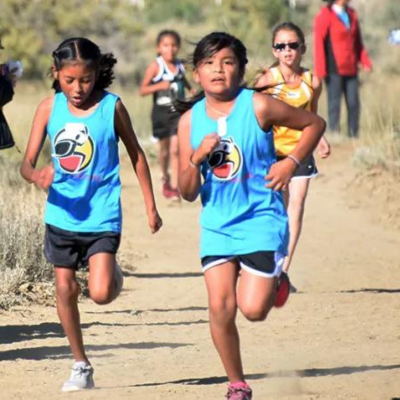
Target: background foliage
{"x": 31, "y": 29}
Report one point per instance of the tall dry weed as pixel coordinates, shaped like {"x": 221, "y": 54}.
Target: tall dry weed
{"x": 21, "y": 235}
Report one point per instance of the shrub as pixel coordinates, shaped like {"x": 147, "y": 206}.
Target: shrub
{"x": 21, "y": 235}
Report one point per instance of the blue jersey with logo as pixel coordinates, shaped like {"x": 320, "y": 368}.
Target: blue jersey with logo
{"x": 85, "y": 193}
{"x": 240, "y": 215}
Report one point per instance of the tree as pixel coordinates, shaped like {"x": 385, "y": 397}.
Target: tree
{"x": 31, "y": 29}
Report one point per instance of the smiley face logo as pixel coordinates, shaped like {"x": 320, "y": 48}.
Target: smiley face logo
{"x": 226, "y": 160}
{"x": 73, "y": 147}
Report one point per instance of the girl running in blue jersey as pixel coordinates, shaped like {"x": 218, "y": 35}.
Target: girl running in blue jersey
{"x": 226, "y": 154}
{"x": 83, "y": 211}
{"x": 165, "y": 80}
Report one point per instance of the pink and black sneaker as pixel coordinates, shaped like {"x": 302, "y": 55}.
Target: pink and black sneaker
{"x": 239, "y": 391}
{"x": 169, "y": 192}
{"x": 282, "y": 290}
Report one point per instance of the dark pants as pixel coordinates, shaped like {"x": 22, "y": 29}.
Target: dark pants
{"x": 349, "y": 86}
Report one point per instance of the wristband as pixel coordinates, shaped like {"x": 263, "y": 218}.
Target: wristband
{"x": 294, "y": 159}
{"x": 192, "y": 164}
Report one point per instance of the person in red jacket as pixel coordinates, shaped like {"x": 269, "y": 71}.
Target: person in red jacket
{"x": 338, "y": 51}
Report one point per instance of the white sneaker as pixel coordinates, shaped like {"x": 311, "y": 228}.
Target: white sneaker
{"x": 81, "y": 378}
{"x": 118, "y": 279}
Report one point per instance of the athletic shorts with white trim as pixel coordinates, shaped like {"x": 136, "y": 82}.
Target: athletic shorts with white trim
{"x": 307, "y": 169}
{"x": 262, "y": 263}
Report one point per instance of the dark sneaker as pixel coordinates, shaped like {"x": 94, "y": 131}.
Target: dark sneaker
{"x": 241, "y": 391}
{"x": 282, "y": 290}
{"x": 81, "y": 378}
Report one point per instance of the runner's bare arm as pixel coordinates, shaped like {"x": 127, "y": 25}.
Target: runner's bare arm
{"x": 264, "y": 80}
{"x": 124, "y": 129}
{"x": 147, "y": 87}
{"x": 270, "y": 111}
{"x": 43, "y": 177}
{"x": 189, "y": 180}
{"x": 324, "y": 148}
{"x": 317, "y": 86}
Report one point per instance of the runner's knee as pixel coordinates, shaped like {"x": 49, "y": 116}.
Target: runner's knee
{"x": 223, "y": 311}
{"x": 101, "y": 295}
{"x": 67, "y": 290}
{"x": 256, "y": 313}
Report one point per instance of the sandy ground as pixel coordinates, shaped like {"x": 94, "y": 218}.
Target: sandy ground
{"x": 337, "y": 338}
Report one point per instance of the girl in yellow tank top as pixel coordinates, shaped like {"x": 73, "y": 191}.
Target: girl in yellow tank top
{"x": 299, "y": 95}
{"x": 288, "y": 81}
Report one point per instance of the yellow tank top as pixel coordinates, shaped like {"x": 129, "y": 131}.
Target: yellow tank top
{"x": 286, "y": 139}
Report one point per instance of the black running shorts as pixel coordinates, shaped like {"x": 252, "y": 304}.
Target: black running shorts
{"x": 164, "y": 122}
{"x": 73, "y": 249}
{"x": 307, "y": 168}
{"x": 262, "y": 263}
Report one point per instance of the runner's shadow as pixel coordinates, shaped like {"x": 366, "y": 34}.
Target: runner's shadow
{"x": 306, "y": 373}
{"x": 371, "y": 290}
{"x": 61, "y": 352}
{"x": 179, "y": 323}
{"x": 162, "y": 275}
{"x": 137, "y": 312}
{"x": 45, "y": 330}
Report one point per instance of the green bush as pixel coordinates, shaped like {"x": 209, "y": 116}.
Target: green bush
{"x": 161, "y": 11}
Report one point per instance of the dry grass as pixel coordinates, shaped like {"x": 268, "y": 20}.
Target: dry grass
{"x": 380, "y": 122}
{"x": 26, "y": 275}
{"x": 21, "y": 239}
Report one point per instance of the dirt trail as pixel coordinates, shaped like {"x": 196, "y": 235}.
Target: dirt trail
{"x": 337, "y": 338}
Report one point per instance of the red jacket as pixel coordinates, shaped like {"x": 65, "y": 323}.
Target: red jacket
{"x": 330, "y": 34}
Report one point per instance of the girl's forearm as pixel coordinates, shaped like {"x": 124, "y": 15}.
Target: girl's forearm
{"x": 324, "y": 140}
{"x": 309, "y": 140}
{"x": 28, "y": 171}
{"x": 150, "y": 89}
{"x": 189, "y": 183}
{"x": 142, "y": 170}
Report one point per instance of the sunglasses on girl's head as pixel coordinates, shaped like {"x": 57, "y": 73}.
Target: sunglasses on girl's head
{"x": 282, "y": 46}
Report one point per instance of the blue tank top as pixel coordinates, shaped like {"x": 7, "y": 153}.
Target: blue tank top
{"x": 85, "y": 193}
{"x": 240, "y": 215}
